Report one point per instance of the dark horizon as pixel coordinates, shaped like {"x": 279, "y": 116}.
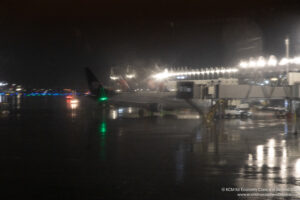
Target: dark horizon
{"x": 48, "y": 44}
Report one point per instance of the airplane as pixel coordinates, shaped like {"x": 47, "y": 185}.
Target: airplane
{"x": 152, "y": 101}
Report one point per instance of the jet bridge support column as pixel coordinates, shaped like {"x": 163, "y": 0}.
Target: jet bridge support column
{"x": 199, "y": 110}
{"x": 185, "y": 91}
{"x": 296, "y": 109}
{"x": 295, "y": 122}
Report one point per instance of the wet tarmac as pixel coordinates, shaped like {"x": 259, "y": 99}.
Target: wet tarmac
{"x": 54, "y": 149}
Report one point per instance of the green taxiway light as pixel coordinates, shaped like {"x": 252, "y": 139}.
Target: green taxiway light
{"x": 102, "y": 128}
{"x": 103, "y": 96}
{"x": 103, "y": 99}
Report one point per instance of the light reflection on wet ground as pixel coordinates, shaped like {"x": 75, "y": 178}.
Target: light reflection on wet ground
{"x": 51, "y": 149}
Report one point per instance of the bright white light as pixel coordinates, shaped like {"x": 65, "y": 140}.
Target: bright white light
{"x": 231, "y": 70}
{"x": 252, "y": 62}
{"x": 234, "y": 70}
{"x": 267, "y": 81}
{"x": 243, "y": 64}
{"x": 130, "y": 76}
{"x": 260, "y": 155}
{"x": 271, "y": 153}
{"x": 287, "y": 41}
{"x": 272, "y": 61}
{"x": 296, "y": 60}
{"x": 3, "y": 84}
{"x": 250, "y": 159}
{"x": 297, "y": 168}
{"x": 114, "y": 114}
{"x": 18, "y": 89}
{"x": 74, "y": 105}
{"x": 283, "y": 166}
{"x": 261, "y": 62}
{"x": 74, "y": 101}
{"x": 272, "y": 142}
{"x": 274, "y": 79}
{"x": 114, "y": 77}
{"x": 182, "y": 75}
{"x": 162, "y": 75}
{"x": 283, "y": 61}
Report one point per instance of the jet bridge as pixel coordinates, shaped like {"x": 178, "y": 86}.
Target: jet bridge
{"x": 189, "y": 90}
{"x": 254, "y": 91}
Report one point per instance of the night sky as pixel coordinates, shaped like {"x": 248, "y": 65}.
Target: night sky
{"x": 48, "y": 43}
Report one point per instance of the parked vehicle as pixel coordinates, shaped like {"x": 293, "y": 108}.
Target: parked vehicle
{"x": 281, "y": 113}
{"x": 237, "y": 113}
{"x": 229, "y": 113}
{"x": 246, "y": 114}
{"x": 243, "y": 106}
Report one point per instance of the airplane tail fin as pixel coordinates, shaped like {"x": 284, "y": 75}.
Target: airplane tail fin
{"x": 93, "y": 83}
{"x": 124, "y": 84}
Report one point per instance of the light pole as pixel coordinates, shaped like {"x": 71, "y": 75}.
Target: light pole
{"x": 287, "y": 55}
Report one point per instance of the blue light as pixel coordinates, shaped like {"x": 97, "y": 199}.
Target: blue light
{"x": 120, "y": 110}
{"x": 286, "y": 103}
{"x": 180, "y": 77}
{"x": 286, "y": 129}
